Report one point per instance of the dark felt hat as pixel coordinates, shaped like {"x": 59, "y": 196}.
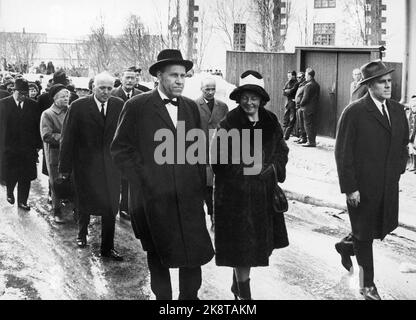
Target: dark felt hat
{"x": 373, "y": 70}
{"x": 169, "y": 57}
{"x": 60, "y": 77}
{"x": 252, "y": 81}
{"x": 21, "y": 85}
{"x": 55, "y": 89}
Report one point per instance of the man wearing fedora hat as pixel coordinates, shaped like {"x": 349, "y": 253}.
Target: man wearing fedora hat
{"x": 166, "y": 200}
{"x": 371, "y": 154}
{"x": 19, "y": 142}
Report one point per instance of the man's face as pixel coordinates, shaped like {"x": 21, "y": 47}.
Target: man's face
{"x": 208, "y": 90}
{"x": 128, "y": 80}
{"x": 102, "y": 89}
{"x": 20, "y": 95}
{"x": 356, "y": 75}
{"x": 172, "y": 80}
{"x": 300, "y": 77}
{"x": 308, "y": 77}
{"x": 61, "y": 99}
{"x": 290, "y": 77}
{"x": 381, "y": 87}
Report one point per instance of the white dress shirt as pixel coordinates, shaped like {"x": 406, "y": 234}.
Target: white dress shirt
{"x": 98, "y": 102}
{"x": 172, "y": 110}
{"x": 379, "y": 106}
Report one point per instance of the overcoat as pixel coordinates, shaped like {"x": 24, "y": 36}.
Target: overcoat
{"x": 209, "y": 121}
{"x": 85, "y": 151}
{"x": 310, "y": 98}
{"x": 4, "y": 93}
{"x": 246, "y": 228}
{"x": 119, "y": 92}
{"x": 166, "y": 200}
{"x": 370, "y": 158}
{"x": 19, "y": 139}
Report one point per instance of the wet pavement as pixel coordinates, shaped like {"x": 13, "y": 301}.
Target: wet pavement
{"x": 40, "y": 260}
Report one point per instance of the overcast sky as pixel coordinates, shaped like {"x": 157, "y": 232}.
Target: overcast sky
{"x": 63, "y": 18}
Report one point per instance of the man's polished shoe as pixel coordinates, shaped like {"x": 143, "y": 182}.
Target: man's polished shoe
{"x": 124, "y": 215}
{"x": 113, "y": 254}
{"x": 309, "y": 145}
{"x": 10, "y": 199}
{"x": 24, "y": 206}
{"x": 81, "y": 242}
{"x": 345, "y": 257}
{"x": 301, "y": 141}
{"x": 370, "y": 293}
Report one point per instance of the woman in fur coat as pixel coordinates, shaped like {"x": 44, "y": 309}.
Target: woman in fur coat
{"x": 246, "y": 228}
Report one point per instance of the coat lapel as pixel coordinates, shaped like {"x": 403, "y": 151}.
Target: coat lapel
{"x": 111, "y": 115}
{"x": 161, "y": 110}
{"x": 93, "y": 110}
{"x": 205, "y": 107}
{"x": 372, "y": 108}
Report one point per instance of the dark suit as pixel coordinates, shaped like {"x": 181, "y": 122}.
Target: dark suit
{"x": 4, "y": 94}
{"x": 309, "y": 106}
{"x": 209, "y": 121}
{"x": 166, "y": 201}
{"x": 289, "y": 119}
{"x": 85, "y": 151}
{"x": 119, "y": 92}
{"x": 19, "y": 141}
{"x": 370, "y": 157}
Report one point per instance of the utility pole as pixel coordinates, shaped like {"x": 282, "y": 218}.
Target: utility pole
{"x": 192, "y": 52}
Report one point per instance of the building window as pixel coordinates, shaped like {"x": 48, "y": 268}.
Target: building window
{"x": 325, "y": 3}
{"x": 324, "y": 34}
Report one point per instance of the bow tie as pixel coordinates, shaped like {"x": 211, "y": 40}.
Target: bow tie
{"x": 174, "y": 102}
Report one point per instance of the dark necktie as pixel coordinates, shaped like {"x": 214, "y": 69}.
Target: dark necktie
{"x": 102, "y": 110}
{"x": 20, "y": 106}
{"x": 211, "y": 104}
{"x": 167, "y": 101}
{"x": 128, "y": 96}
{"x": 385, "y": 114}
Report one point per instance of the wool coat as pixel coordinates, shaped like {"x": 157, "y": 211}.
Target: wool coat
{"x": 310, "y": 99}
{"x": 85, "y": 151}
{"x": 166, "y": 200}
{"x": 246, "y": 228}
{"x": 19, "y": 139}
{"x": 119, "y": 93}
{"x": 370, "y": 157}
{"x": 209, "y": 121}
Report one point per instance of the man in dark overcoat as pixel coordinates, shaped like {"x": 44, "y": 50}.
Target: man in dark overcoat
{"x": 88, "y": 130}
{"x": 357, "y": 89}
{"x": 309, "y": 105}
{"x": 211, "y": 111}
{"x": 126, "y": 91}
{"x": 19, "y": 142}
{"x": 371, "y": 154}
{"x": 289, "y": 91}
{"x": 166, "y": 199}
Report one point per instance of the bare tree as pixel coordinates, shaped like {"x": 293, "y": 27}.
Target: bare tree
{"x": 355, "y": 19}
{"x": 304, "y": 24}
{"x": 136, "y": 46}
{"x": 227, "y": 13}
{"x": 99, "y": 48}
{"x": 19, "y": 48}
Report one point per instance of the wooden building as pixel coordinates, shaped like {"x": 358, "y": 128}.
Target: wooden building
{"x": 333, "y": 67}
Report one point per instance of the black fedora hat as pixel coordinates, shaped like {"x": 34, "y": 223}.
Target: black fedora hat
{"x": 21, "y": 85}
{"x": 169, "y": 57}
{"x": 252, "y": 81}
{"x": 373, "y": 70}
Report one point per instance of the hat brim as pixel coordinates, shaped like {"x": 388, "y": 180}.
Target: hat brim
{"x": 364, "y": 81}
{"x": 160, "y": 64}
{"x": 235, "y": 95}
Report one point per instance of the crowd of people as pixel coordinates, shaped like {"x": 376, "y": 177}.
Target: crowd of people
{"x": 100, "y": 153}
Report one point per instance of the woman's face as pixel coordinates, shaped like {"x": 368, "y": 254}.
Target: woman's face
{"x": 32, "y": 92}
{"x": 250, "y": 102}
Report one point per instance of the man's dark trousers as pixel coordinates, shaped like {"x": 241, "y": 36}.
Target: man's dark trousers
{"x": 108, "y": 222}
{"x": 309, "y": 125}
{"x": 124, "y": 204}
{"x": 23, "y": 187}
{"x": 190, "y": 280}
{"x": 289, "y": 118}
{"x": 301, "y": 124}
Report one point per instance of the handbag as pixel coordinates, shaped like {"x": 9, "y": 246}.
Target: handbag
{"x": 279, "y": 200}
